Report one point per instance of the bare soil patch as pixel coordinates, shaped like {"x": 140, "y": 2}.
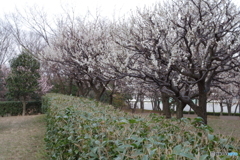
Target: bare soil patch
{"x": 22, "y": 137}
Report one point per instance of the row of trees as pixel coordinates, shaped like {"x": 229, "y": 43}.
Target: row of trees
{"x": 183, "y": 50}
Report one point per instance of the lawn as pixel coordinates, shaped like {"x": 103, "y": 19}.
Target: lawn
{"x": 225, "y": 126}
{"x": 22, "y": 138}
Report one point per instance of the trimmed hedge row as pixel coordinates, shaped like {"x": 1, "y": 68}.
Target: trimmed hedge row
{"x": 211, "y": 113}
{"x": 78, "y": 128}
{"x": 14, "y": 108}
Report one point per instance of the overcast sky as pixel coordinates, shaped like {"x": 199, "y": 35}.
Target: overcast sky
{"x": 106, "y": 7}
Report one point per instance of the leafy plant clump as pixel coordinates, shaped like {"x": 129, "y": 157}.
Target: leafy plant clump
{"x": 82, "y": 129}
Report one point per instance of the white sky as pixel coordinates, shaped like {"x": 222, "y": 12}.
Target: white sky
{"x": 106, "y": 7}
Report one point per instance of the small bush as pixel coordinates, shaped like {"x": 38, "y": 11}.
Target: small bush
{"x": 14, "y": 108}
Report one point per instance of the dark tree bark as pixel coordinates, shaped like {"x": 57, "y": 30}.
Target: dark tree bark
{"x": 221, "y": 106}
{"x": 70, "y": 86}
{"x": 229, "y": 106}
{"x": 236, "y": 109}
{"x": 189, "y": 112}
{"x": 142, "y": 102}
{"x": 179, "y": 111}
{"x": 135, "y": 104}
{"x": 24, "y": 107}
{"x": 111, "y": 94}
{"x": 213, "y": 108}
{"x": 166, "y": 105}
{"x": 201, "y": 110}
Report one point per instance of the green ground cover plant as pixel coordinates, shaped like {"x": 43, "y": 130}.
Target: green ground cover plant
{"x": 78, "y": 128}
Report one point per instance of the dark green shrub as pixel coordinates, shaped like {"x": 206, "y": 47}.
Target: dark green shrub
{"x": 14, "y": 108}
{"x": 211, "y": 113}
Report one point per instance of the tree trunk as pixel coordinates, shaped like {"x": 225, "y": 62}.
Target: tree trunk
{"x": 129, "y": 105}
{"x": 142, "y": 102}
{"x": 201, "y": 110}
{"x": 166, "y": 105}
{"x": 111, "y": 98}
{"x": 236, "y": 109}
{"x": 213, "y": 108}
{"x": 62, "y": 85}
{"x": 221, "y": 106}
{"x": 70, "y": 86}
{"x": 158, "y": 106}
{"x": 154, "y": 104}
{"x": 111, "y": 95}
{"x": 179, "y": 111}
{"x": 24, "y": 107}
{"x": 135, "y": 104}
{"x": 239, "y": 106}
{"x": 229, "y": 107}
{"x": 189, "y": 112}
{"x": 99, "y": 91}
{"x": 80, "y": 91}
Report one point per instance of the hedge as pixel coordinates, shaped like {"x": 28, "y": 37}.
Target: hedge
{"x": 211, "y": 113}
{"x": 80, "y": 129}
{"x": 14, "y": 108}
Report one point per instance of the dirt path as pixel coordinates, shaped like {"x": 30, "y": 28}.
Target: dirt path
{"x": 22, "y": 137}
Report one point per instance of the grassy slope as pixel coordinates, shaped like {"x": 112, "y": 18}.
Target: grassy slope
{"x": 22, "y": 138}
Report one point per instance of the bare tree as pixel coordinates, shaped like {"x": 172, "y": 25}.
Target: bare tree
{"x": 7, "y": 51}
{"x": 6, "y": 43}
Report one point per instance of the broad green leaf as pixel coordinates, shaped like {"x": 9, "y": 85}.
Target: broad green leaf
{"x": 210, "y": 137}
{"x": 97, "y": 142}
{"x": 177, "y": 149}
{"x": 203, "y": 157}
{"x": 145, "y": 157}
{"x": 132, "y": 121}
{"x": 188, "y": 155}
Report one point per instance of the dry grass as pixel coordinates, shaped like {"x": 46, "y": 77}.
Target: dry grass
{"x": 225, "y": 127}
{"x": 22, "y": 138}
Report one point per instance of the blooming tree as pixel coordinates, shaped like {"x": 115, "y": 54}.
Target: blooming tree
{"x": 80, "y": 47}
{"x": 182, "y": 46}
{"x": 44, "y": 85}
{"x": 181, "y": 49}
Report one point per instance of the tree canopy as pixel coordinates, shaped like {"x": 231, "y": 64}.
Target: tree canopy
{"x": 22, "y": 82}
